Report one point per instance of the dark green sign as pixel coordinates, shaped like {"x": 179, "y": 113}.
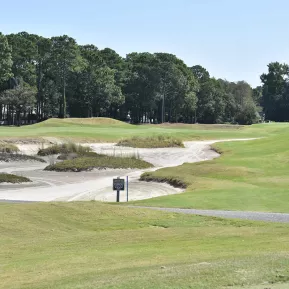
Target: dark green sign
{"x": 118, "y": 184}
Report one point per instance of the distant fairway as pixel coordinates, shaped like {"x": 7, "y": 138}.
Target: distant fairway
{"x": 110, "y": 130}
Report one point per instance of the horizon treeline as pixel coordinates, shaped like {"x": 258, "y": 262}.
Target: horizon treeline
{"x": 43, "y": 77}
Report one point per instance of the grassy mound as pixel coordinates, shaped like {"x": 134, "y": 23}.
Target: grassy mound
{"x": 8, "y": 148}
{"x": 65, "y": 148}
{"x": 160, "y": 141}
{"x": 8, "y": 157}
{"x": 90, "y": 161}
{"x": 109, "y": 130}
{"x": 94, "y": 121}
{"x": 93, "y": 245}
{"x": 13, "y": 179}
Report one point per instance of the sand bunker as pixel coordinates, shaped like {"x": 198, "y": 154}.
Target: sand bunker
{"x": 97, "y": 185}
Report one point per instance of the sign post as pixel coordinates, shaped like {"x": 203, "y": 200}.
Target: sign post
{"x": 118, "y": 185}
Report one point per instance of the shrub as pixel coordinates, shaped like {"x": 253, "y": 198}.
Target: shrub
{"x": 14, "y": 179}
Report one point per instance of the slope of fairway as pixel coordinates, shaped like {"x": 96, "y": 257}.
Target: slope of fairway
{"x": 109, "y": 130}
{"x": 249, "y": 176}
{"x": 90, "y": 245}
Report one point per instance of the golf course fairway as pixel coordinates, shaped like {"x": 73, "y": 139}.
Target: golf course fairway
{"x": 79, "y": 245}
{"x": 92, "y": 245}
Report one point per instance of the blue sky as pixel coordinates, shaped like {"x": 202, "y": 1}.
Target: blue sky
{"x": 232, "y": 39}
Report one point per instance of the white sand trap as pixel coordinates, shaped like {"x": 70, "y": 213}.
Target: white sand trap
{"x": 97, "y": 185}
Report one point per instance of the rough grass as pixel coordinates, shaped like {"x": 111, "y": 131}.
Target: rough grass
{"x": 14, "y": 179}
{"x": 89, "y": 245}
{"x": 90, "y": 161}
{"x": 249, "y": 175}
{"x": 65, "y": 148}
{"x": 9, "y": 157}
{"x": 8, "y": 148}
{"x": 158, "y": 141}
{"x": 173, "y": 181}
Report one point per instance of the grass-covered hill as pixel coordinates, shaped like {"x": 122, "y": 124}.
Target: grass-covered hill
{"x": 110, "y": 130}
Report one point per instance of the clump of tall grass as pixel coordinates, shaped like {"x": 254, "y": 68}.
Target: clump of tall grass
{"x": 65, "y": 148}
{"x": 158, "y": 141}
{"x": 16, "y": 157}
{"x": 8, "y": 148}
{"x": 10, "y": 152}
{"x": 14, "y": 179}
{"x": 90, "y": 161}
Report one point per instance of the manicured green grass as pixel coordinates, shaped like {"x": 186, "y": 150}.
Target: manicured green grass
{"x": 102, "y": 129}
{"x": 91, "y": 245}
{"x": 91, "y": 160}
{"x": 64, "y": 148}
{"x": 158, "y": 141}
{"x": 13, "y": 179}
{"x": 250, "y": 176}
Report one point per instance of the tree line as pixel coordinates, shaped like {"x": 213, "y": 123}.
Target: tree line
{"x": 55, "y": 77}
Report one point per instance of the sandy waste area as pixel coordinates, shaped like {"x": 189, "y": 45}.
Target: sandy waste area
{"x": 97, "y": 184}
